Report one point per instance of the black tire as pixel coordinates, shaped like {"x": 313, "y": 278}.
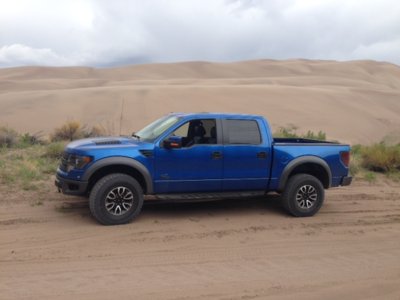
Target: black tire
{"x": 303, "y": 195}
{"x": 121, "y": 190}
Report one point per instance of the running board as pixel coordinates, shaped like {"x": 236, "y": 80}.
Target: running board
{"x": 206, "y": 196}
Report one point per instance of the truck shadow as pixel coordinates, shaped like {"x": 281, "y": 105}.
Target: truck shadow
{"x": 154, "y": 209}
{"x": 259, "y": 205}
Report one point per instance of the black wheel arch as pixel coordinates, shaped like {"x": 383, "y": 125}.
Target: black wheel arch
{"x": 311, "y": 165}
{"x": 123, "y": 165}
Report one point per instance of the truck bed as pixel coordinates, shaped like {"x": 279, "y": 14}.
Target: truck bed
{"x": 287, "y": 149}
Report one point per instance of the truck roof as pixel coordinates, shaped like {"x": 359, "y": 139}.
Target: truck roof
{"x": 214, "y": 114}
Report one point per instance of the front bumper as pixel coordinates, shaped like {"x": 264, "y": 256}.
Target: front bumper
{"x": 346, "y": 180}
{"x": 70, "y": 187}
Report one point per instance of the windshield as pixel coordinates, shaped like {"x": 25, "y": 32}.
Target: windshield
{"x": 155, "y": 129}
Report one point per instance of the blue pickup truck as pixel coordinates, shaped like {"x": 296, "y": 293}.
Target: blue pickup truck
{"x": 200, "y": 156}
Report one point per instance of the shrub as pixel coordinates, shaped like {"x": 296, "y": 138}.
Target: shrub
{"x": 290, "y": 132}
{"x": 315, "y": 136}
{"x": 355, "y": 161}
{"x": 72, "y": 130}
{"x": 27, "y": 167}
{"x": 381, "y": 157}
{"x": 286, "y": 132}
{"x": 8, "y": 137}
{"x": 95, "y": 131}
{"x": 28, "y": 139}
{"x": 356, "y": 150}
{"x": 69, "y": 131}
{"x": 54, "y": 150}
{"x": 354, "y": 166}
{"x": 48, "y": 165}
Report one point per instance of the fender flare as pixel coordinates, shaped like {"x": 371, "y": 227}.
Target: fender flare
{"x": 126, "y": 161}
{"x": 300, "y": 161}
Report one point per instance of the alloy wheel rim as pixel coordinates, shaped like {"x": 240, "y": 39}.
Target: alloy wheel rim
{"x": 306, "y": 196}
{"x": 119, "y": 201}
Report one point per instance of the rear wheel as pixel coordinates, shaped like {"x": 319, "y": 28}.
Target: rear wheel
{"x": 303, "y": 195}
{"x": 116, "y": 199}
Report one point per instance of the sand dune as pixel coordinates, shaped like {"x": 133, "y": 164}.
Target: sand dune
{"x": 356, "y": 101}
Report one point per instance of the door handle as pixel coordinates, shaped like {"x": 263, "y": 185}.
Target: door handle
{"x": 262, "y": 155}
{"x": 216, "y": 155}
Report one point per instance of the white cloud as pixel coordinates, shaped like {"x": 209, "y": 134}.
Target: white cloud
{"x": 103, "y": 33}
{"x": 384, "y": 50}
{"x": 19, "y": 55}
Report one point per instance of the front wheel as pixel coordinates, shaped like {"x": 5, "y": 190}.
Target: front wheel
{"x": 116, "y": 199}
{"x": 303, "y": 195}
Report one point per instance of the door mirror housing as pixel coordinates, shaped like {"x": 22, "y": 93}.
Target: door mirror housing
{"x": 173, "y": 142}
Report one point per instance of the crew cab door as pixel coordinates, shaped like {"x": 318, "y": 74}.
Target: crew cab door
{"x": 247, "y": 155}
{"x": 197, "y": 165}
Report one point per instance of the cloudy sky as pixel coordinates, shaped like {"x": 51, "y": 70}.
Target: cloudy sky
{"x": 117, "y": 32}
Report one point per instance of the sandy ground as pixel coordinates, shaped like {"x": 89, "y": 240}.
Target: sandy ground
{"x": 51, "y": 248}
{"x": 230, "y": 249}
{"x": 353, "y": 102}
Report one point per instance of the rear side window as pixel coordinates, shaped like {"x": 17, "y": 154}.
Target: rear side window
{"x": 243, "y": 132}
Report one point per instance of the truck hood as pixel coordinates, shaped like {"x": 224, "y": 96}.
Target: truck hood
{"x": 103, "y": 143}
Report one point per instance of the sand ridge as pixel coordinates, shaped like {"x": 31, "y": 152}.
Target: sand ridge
{"x": 354, "y": 101}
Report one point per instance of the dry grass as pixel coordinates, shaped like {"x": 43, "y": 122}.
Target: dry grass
{"x": 96, "y": 131}
{"x": 26, "y": 167}
{"x": 290, "y": 132}
{"x": 8, "y": 137}
{"x": 69, "y": 131}
{"x": 55, "y": 150}
{"x": 26, "y": 161}
{"x": 381, "y": 158}
{"x": 73, "y": 130}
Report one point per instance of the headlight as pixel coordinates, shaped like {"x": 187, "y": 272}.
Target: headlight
{"x": 77, "y": 161}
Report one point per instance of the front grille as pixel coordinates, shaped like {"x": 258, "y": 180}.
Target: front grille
{"x": 64, "y": 162}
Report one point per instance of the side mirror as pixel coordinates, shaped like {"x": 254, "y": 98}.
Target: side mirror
{"x": 173, "y": 142}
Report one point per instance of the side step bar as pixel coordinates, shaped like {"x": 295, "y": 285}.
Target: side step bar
{"x": 205, "y": 196}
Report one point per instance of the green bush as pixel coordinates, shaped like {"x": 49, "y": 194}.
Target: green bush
{"x": 354, "y": 166}
{"x": 286, "y": 132}
{"x": 381, "y": 157}
{"x": 8, "y": 137}
{"x": 73, "y": 130}
{"x": 95, "y": 131}
{"x": 356, "y": 150}
{"x": 290, "y": 132}
{"x": 54, "y": 150}
{"x": 315, "y": 136}
{"x": 27, "y": 167}
{"x": 28, "y": 139}
{"x": 69, "y": 131}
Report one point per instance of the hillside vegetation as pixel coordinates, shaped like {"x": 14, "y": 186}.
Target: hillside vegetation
{"x": 27, "y": 160}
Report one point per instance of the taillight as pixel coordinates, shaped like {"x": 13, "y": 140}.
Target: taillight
{"x": 345, "y": 158}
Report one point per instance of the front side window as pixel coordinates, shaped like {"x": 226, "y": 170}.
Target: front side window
{"x": 200, "y": 131}
{"x": 243, "y": 132}
{"x": 155, "y": 129}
